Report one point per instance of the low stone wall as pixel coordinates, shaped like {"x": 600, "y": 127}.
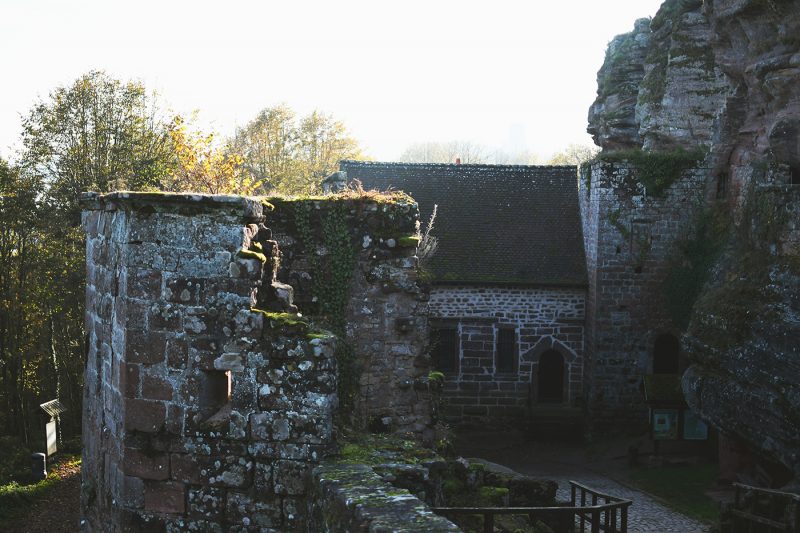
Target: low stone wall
{"x": 398, "y": 496}
{"x": 352, "y": 497}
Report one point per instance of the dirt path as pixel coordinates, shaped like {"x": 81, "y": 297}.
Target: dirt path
{"x": 563, "y": 463}
{"x": 58, "y": 511}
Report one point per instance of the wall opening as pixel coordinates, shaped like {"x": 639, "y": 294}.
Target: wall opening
{"x": 444, "y": 349}
{"x": 666, "y": 354}
{"x": 505, "y": 350}
{"x": 722, "y": 185}
{"x": 794, "y": 171}
{"x": 550, "y": 381}
{"x": 215, "y": 391}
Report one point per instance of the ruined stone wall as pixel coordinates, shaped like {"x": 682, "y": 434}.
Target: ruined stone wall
{"x": 207, "y": 398}
{"x": 630, "y": 237}
{"x": 385, "y": 313}
{"x": 542, "y": 318}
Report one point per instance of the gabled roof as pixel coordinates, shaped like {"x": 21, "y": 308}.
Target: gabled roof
{"x": 495, "y": 223}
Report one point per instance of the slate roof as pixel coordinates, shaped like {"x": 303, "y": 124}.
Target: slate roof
{"x": 505, "y": 224}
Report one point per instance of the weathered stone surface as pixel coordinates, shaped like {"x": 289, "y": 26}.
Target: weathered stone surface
{"x": 722, "y": 74}
{"x": 354, "y": 498}
{"x": 165, "y": 497}
{"x": 202, "y": 413}
{"x": 660, "y": 86}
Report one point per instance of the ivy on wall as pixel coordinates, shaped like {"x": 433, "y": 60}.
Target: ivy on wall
{"x": 657, "y": 170}
{"x": 691, "y": 265}
{"x": 332, "y": 274}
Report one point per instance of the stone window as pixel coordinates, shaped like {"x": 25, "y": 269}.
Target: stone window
{"x": 550, "y": 381}
{"x": 722, "y": 185}
{"x": 215, "y": 391}
{"x": 666, "y": 354}
{"x": 794, "y": 170}
{"x": 444, "y": 347}
{"x": 505, "y": 350}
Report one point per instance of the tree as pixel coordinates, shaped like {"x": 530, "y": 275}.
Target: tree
{"x": 445, "y": 152}
{"x": 200, "y": 166}
{"x": 96, "y": 134}
{"x": 574, "y": 154}
{"x": 290, "y": 156}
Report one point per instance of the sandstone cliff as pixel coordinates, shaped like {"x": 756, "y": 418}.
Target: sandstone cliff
{"x": 724, "y": 75}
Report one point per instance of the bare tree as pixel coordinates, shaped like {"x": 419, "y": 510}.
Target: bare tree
{"x": 574, "y": 154}
{"x": 446, "y": 152}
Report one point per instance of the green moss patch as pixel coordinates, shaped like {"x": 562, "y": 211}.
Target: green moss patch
{"x": 409, "y": 241}
{"x": 657, "y": 170}
{"x": 245, "y": 253}
{"x": 279, "y": 320}
{"x": 692, "y": 261}
{"x": 379, "y": 449}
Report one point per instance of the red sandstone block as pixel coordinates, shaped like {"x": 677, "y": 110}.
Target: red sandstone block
{"x": 144, "y": 415}
{"x": 155, "y": 388}
{"x": 143, "y": 465}
{"x": 128, "y": 380}
{"x": 165, "y": 497}
{"x": 185, "y": 469}
{"x": 144, "y": 347}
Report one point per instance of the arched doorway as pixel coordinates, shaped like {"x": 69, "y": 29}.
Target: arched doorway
{"x": 666, "y": 354}
{"x": 550, "y": 381}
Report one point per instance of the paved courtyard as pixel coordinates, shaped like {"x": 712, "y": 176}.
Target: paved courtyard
{"x": 563, "y": 463}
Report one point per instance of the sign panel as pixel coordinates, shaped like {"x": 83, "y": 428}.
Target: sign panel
{"x": 51, "y": 438}
{"x": 693, "y": 427}
{"x": 665, "y": 424}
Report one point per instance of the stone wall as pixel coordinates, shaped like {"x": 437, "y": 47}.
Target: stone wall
{"x": 542, "y": 319}
{"x": 207, "y": 397}
{"x": 385, "y": 313}
{"x": 630, "y": 237}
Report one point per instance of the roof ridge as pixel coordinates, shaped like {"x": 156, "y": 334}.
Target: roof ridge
{"x": 354, "y": 162}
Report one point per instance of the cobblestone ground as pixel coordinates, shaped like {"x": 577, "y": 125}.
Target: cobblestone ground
{"x": 563, "y": 464}
{"x": 645, "y": 514}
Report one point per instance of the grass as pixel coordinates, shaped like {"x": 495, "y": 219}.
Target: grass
{"x": 682, "y": 488}
{"x": 16, "y": 497}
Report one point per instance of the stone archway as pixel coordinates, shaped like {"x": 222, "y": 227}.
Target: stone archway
{"x": 552, "y": 363}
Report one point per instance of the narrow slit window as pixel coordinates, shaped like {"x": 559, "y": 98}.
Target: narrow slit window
{"x": 506, "y": 350}
{"x": 445, "y": 349}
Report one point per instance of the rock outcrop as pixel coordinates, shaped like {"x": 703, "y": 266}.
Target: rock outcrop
{"x": 723, "y": 75}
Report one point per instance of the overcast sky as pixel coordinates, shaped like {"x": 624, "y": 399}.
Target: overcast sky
{"x": 501, "y": 73}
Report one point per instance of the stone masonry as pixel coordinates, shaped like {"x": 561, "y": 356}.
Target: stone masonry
{"x": 542, "y": 319}
{"x": 207, "y": 397}
{"x": 629, "y": 238}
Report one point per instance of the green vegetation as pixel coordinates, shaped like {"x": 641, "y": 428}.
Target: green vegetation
{"x": 379, "y": 449}
{"x": 409, "y": 241}
{"x": 682, "y": 488}
{"x": 586, "y": 170}
{"x": 654, "y": 83}
{"x": 435, "y": 376}
{"x": 657, "y": 170}
{"x": 331, "y": 277}
{"x": 251, "y": 254}
{"x": 691, "y": 263}
{"x": 492, "y": 496}
{"x": 280, "y": 320}
{"x": 16, "y": 496}
{"x": 614, "y": 218}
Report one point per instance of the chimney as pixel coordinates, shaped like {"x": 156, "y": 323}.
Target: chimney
{"x": 458, "y": 160}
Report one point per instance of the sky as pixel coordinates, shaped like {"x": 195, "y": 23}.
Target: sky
{"x": 505, "y": 74}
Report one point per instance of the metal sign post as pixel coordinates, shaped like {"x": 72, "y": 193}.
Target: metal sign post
{"x": 54, "y": 408}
